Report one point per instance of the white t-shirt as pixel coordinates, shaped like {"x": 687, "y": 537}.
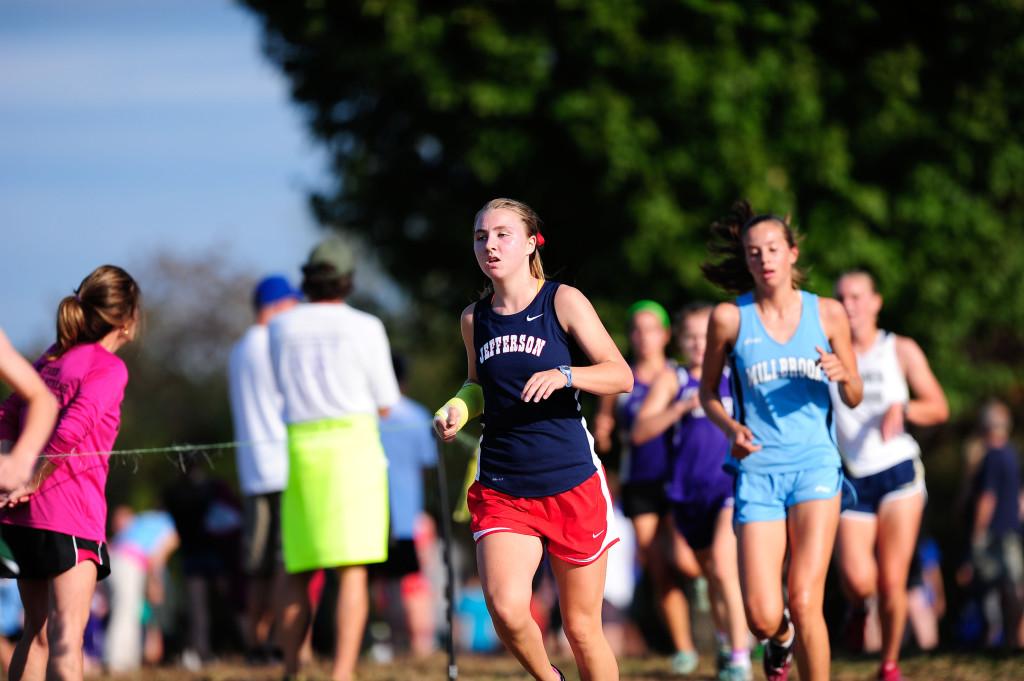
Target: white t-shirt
{"x": 860, "y": 429}
{"x": 331, "y": 361}
{"x": 256, "y": 409}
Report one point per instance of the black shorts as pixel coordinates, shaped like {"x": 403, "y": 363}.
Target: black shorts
{"x": 639, "y": 498}
{"x": 402, "y": 560}
{"x": 44, "y": 554}
{"x": 263, "y": 557}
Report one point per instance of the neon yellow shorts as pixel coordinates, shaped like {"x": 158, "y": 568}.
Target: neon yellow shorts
{"x": 334, "y": 510}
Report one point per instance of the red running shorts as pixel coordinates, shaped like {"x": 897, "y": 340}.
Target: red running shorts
{"x": 573, "y": 524}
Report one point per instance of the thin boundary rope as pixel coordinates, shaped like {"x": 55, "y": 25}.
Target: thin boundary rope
{"x": 461, "y": 438}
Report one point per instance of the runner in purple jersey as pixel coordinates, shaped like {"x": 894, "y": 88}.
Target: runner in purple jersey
{"x": 698, "y": 488}
{"x": 643, "y": 467}
{"x": 643, "y": 471}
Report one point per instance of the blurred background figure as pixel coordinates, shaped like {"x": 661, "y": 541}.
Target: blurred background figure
{"x": 474, "y": 630}
{"x": 141, "y": 546}
{"x": 878, "y": 534}
{"x": 699, "y": 487}
{"x": 208, "y": 519}
{"x": 262, "y": 461}
{"x": 994, "y": 569}
{"x": 409, "y": 444}
{"x": 643, "y": 472}
{"x": 332, "y": 364}
{"x": 926, "y": 594}
{"x": 12, "y": 618}
{"x": 620, "y": 583}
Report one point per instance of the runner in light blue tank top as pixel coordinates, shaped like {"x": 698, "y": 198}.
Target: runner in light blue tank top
{"x": 785, "y": 347}
{"x": 782, "y": 393}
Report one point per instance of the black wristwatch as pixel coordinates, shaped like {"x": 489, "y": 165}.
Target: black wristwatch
{"x": 567, "y": 372}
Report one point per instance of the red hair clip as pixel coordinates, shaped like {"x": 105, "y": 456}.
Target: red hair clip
{"x": 540, "y": 239}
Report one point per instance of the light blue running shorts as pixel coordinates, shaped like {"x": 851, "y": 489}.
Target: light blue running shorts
{"x": 767, "y": 496}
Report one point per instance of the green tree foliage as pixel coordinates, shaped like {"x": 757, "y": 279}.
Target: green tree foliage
{"x": 890, "y": 131}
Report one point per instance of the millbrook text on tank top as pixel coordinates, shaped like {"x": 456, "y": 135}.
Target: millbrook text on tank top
{"x": 785, "y": 367}
{"x": 512, "y": 343}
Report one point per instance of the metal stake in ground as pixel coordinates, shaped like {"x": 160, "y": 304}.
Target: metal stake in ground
{"x": 446, "y": 540}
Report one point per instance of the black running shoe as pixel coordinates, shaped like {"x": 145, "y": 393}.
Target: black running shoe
{"x": 777, "y": 660}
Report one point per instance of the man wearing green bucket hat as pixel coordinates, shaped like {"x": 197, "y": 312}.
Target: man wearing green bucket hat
{"x": 333, "y": 367}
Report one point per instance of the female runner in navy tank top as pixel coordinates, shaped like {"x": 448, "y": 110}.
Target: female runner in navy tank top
{"x": 642, "y": 471}
{"x": 785, "y": 346}
{"x": 539, "y": 483}
{"x": 699, "y": 489}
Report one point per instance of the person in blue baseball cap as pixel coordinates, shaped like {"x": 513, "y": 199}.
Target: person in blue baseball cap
{"x": 262, "y": 457}
{"x": 270, "y": 292}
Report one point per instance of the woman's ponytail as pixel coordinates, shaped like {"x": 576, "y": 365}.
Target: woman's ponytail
{"x": 106, "y": 299}
{"x": 70, "y": 323}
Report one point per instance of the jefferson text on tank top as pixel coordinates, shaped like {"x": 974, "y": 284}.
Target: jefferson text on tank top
{"x": 698, "y": 448}
{"x": 860, "y": 429}
{"x": 782, "y": 394}
{"x": 528, "y": 449}
{"x": 645, "y": 462}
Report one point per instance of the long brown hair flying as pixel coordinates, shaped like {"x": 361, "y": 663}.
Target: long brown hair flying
{"x": 726, "y": 266}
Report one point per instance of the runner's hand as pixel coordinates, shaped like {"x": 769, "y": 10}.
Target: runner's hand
{"x": 684, "y": 407}
{"x": 542, "y": 384}
{"x": 15, "y": 472}
{"x": 832, "y": 366}
{"x": 448, "y": 428}
{"x": 743, "y": 444}
{"x": 892, "y": 422}
{"x": 20, "y": 496}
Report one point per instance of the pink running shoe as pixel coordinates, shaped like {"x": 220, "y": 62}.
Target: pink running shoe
{"x": 561, "y": 676}
{"x": 889, "y": 671}
{"x": 777, "y": 660}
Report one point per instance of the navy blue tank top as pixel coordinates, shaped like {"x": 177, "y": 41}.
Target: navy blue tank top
{"x": 528, "y": 449}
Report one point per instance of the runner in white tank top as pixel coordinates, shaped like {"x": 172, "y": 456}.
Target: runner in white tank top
{"x": 877, "y": 536}
{"x": 865, "y": 451}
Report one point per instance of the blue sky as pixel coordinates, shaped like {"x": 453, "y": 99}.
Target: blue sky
{"x": 133, "y": 127}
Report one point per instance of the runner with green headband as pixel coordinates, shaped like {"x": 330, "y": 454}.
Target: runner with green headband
{"x": 643, "y": 471}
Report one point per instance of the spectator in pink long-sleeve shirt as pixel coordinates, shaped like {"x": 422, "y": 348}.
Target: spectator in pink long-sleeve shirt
{"x": 55, "y": 524}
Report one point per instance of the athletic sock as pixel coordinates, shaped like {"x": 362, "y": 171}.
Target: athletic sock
{"x": 788, "y": 641}
{"x": 740, "y": 656}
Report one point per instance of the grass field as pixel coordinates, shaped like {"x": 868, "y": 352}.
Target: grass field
{"x": 504, "y": 668}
